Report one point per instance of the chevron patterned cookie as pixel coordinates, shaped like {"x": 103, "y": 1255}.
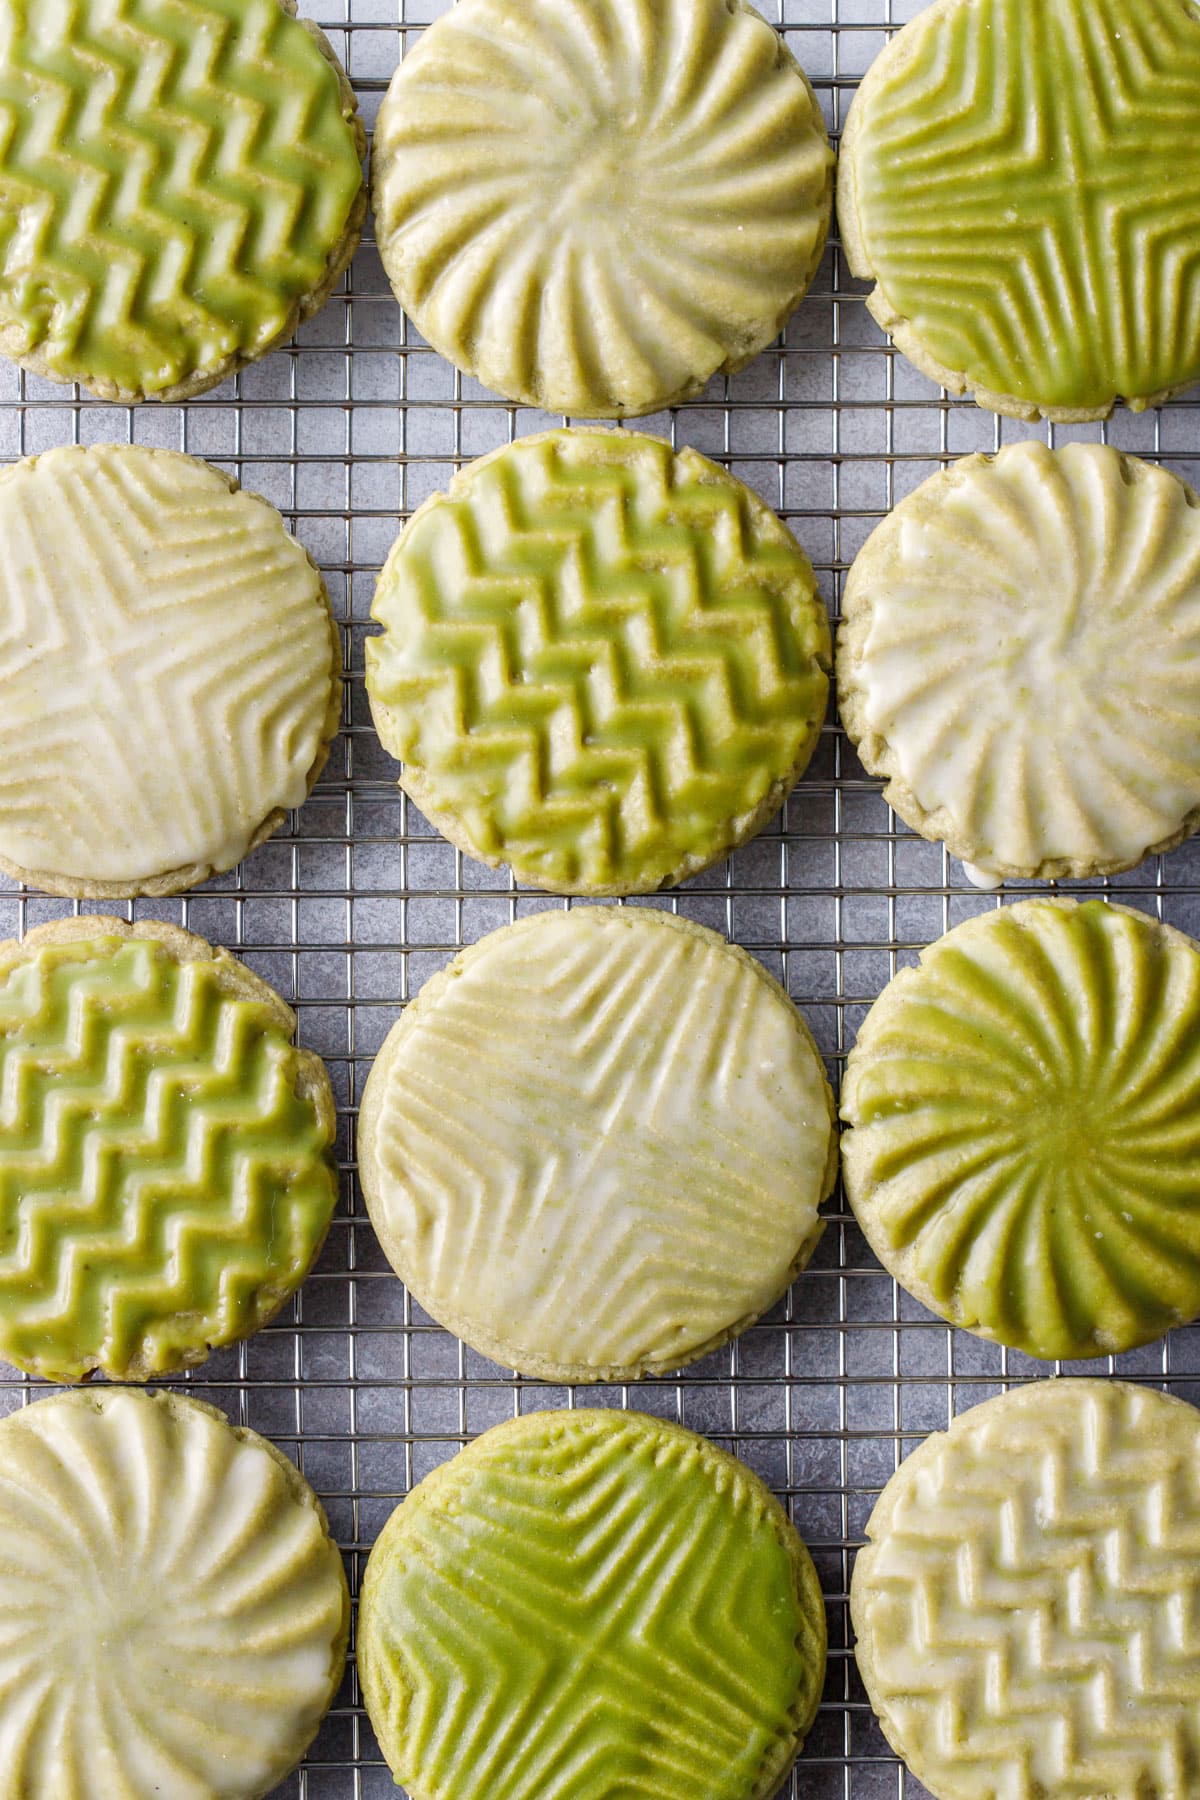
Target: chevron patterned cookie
{"x": 173, "y": 1612}
{"x": 1025, "y": 1606}
{"x": 592, "y": 1604}
{"x": 170, "y": 672}
{"x": 166, "y": 1176}
{"x": 595, "y": 1145}
{"x": 594, "y": 206}
{"x": 180, "y": 185}
{"x": 1020, "y": 657}
{"x": 1023, "y": 1149}
{"x": 1021, "y": 181}
{"x": 604, "y": 661}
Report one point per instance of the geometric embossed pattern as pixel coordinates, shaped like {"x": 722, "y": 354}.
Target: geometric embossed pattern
{"x": 1028, "y": 1607}
{"x": 173, "y": 1614}
{"x": 598, "y": 1143}
{"x": 178, "y": 181}
{"x": 1022, "y": 180}
{"x": 1024, "y": 1113}
{"x": 591, "y": 1604}
{"x": 604, "y": 662}
{"x": 596, "y": 205}
{"x": 165, "y": 1180}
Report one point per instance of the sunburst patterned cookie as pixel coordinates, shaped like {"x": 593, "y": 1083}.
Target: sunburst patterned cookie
{"x": 591, "y": 1603}
{"x": 596, "y": 205}
{"x": 173, "y": 1612}
{"x": 1023, "y": 1113}
{"x": 595, "y": 1146}
{"x": 1024, "y": 1608}
{"x": 1021, "y": 181}
{"x": 1020, "y": 657}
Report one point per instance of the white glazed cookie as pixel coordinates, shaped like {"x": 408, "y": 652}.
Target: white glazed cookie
{"x": 170, "y": 675}
{"x": 596, "y": 1145}
{"x": 173, "y": 1611}
{"x": 593, "y": 206}
{"x": 1020, "y": 658}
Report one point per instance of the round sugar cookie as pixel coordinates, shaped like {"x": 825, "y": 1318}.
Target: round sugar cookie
{"x": 594, "y": 206}
{"x": 1021, "y": 181}
{"x": 1020, "y": 658}
{"x": 170, "y": 671}
{"x": 180, "y": 185}
{"x": 166, "y": 1170}
{"x": 1023, "y": 1607}
{"x": 1023, "y": 1142}
{"x": 592, "y": 1603}
{"x": 173, "y": 1612}
{"x": 604, "y": 662}
{"x": 595, "y": 1145}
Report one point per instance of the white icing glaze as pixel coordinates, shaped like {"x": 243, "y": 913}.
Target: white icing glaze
{"x": 165, "y": 665}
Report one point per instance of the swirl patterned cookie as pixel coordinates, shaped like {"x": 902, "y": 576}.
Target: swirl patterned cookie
{"x": 1023, "y": 1142}
{"x": 594, "y": 206}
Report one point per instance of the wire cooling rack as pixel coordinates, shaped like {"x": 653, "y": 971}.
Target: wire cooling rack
{"x": 349, "y": 911}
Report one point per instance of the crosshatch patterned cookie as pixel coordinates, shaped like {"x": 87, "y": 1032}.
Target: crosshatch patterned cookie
{"x": 1025, "y": 1606}
{"x": 594, "y": 206}
{"x": 1021, "y": 181}
{"x": 595, "y": 1146}
{"x": 591, "y": 1603}
{"x": 173, "y": 1611}
{"x": 1023, "y": 1113}
{"x": 1020, "y": 657}
{"x": 604, "y": 662}
{"x": 180, "y": 185}
{"x": 166, "y": 1177}
{"x": 170, "y": 671}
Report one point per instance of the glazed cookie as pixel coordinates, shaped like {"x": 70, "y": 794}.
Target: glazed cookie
{"x": 1020, "y": 657}
{"x": 594, "y": 206}
{"x": 173, "y": 1611}
{"x": 1022, "y": 184}
{"x": 166, "y": 1174}
{"x": 1024, "y": 1604}
{"x": 1023, "y": 1148}
{"x": 590, "y": 1603}
{"x": 595, "y": 1145}
{"x": 170, "y": 672}
{"x": 180, "y": 185}
{"x": 604, "y": 662}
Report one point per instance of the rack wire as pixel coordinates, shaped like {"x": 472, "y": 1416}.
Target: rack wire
{"x": 351, "y": 909}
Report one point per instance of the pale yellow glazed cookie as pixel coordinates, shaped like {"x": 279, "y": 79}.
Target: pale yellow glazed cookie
{"x": 595, "y": 1146}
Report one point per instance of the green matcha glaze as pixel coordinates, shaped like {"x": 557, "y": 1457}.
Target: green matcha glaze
{"x": 593, "y": 1604}
{"x": 163, "y": 1184}
{"x": 1023, "y": 179}
{"x": 172, "y": 185}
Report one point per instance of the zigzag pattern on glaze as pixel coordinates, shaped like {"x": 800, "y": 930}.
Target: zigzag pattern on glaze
{"x": 1026, "y": 1606}
{"x": 174, "y": 182}
{"x": 527, "y": 1608}
{"x": 604, "y": 662}
{"x": 164, "y": 1185}
{"x": 1023, "y": 183}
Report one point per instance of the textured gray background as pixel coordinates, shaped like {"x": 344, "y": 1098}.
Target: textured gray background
{"x": 351, "y": 910}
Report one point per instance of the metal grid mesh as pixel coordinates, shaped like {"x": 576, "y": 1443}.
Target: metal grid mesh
{"x": 350, "y": 910}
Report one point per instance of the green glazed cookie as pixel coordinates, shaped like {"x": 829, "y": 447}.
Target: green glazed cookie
{"x": 595, "y": 1146}
{"x": 594, "y": 206}
{"x": 166, "y": 1176}
{"x": 180, "y": 185}
{"x": 1020, "y": 656}
{"x": 604, "y": 662}
{"x": 173, "y": 1611}
{"x": 592, "y": 1604}
{"x": 1021, "y": 181}
{"x": 1023, "y": 1108}
{"x": 1025, "y": 1605}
